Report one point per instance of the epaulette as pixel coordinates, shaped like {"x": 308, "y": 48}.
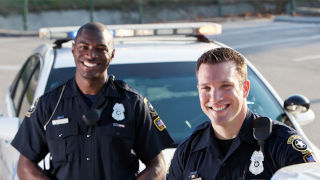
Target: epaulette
{"x": 282, "y": 129}
{"x": 195, "y": 134}
{"x": 123, "y": 85}
{"x": 201, "y": 127}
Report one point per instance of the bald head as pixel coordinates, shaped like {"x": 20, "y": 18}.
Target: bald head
{"x": 99, "y": 29}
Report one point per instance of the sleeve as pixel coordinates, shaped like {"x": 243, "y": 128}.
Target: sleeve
{"x": 293, "y": 150}
{"x": 176, "y": 166}
{"x": 151, "y": 134}
{"x": 30, "y": 139}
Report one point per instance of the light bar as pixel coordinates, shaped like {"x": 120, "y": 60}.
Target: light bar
{"x": 138, "y": 30}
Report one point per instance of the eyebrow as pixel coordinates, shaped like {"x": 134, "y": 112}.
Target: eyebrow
{"x": 221, "y": 82}
{"x": 82, "y": 42}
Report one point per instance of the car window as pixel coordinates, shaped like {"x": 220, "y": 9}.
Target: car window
{"x": 171, "y": 88}
{"x": 28, "y": 97}
{"x": 25, "y": 83}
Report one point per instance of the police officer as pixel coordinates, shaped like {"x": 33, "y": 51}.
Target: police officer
{"x": 226, "y": 148}
{"x": 93, "y": 126}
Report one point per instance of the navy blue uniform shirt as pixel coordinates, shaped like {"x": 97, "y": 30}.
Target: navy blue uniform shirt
{"x": 129, "y": 129}
{"x": 199, "y": 156}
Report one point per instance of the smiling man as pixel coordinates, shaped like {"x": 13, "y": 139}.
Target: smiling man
{"x": 93, "y": 126}
{"x": 225, "y": 147}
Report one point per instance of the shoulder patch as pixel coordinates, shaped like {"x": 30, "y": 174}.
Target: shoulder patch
{"x": 308, "y": 158}
{"x": 150, "y": 108}
{"x": 298, "y": 144}
{"x": 159, "y": 124}
{"x": 32, "y": 108}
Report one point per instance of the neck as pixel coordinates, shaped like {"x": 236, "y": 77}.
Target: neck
{"x": 232, "y": 129}
{"x": 90, "y": 86}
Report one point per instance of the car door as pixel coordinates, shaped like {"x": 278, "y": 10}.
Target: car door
{"x": 24, "y": 86}
{"x": 21, "y": 96}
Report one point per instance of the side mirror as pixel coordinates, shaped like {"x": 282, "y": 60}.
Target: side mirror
{"x": 297, "y": 104}
{"x": 8, "y": 127}
{"x": 299, "y": 107}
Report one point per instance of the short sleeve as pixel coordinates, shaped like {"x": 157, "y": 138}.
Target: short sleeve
{"x": 30, "y": 139}
{"x": 176, "y": 166}
{"x": 151, "y": 133}
{"x": 292, "y": 150}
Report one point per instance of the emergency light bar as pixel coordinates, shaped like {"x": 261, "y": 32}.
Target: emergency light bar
{"x": 139, "y": 30}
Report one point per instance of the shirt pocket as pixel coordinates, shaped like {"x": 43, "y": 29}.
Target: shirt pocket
{"x": 62, "y": 142}
{"x": 120, "y": 144}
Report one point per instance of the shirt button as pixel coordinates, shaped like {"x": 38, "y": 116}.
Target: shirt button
{"x": 88, "y": 135}
{"x": 88, "y": 159}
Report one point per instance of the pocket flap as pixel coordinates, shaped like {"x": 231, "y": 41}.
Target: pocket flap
{"x": 61, "y": 131}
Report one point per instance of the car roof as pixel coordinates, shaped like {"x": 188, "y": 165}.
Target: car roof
{"x": 143, "y": 51}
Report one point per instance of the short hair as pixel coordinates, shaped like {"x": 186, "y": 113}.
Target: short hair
{"x": 219, "y": 55}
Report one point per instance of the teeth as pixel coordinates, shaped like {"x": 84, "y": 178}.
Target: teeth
{"x": 219, "y": 108}
{"x": 89, "y": 64}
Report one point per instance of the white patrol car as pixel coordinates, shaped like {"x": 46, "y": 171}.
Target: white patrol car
{"x": 159, "y": 61}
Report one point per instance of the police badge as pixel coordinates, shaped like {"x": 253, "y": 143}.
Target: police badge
{"x": 256, "y": 166}
{"x": 118, "y": 112}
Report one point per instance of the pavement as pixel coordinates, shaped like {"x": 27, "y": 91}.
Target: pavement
{"x": 17, "y": 33}
{"x": 298, "y": 19}
{"x": 279, "y": 18}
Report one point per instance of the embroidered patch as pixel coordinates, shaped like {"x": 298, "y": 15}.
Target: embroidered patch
{"x": 256, "y": 166}
{"x": 150, "y": 107}
{"x": 159, "y": 124}
{"x": 308, "y": 158}
{"x": 298, "y": 144}
{"x": 32, "y": 108}
{"x": 118, "y": 112}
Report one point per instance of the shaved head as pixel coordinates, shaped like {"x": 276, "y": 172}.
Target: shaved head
{"x": 92, "y": 51}
{"x": 100, "y": 29}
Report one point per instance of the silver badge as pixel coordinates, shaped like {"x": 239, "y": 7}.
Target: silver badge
{"x": 118, "y": 112}
{"x": 256, "y": 166}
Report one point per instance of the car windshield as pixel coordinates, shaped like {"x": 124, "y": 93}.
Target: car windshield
{"x": 172, "y": 90}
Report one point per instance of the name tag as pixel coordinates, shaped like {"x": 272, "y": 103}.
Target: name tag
{"x": 60, "y": 121}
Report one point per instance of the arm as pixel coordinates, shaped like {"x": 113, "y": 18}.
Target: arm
{"x": 28, "y": 169}
{"x": 155, "y": 169}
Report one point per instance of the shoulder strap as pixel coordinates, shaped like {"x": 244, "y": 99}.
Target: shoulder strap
{"x": 55, "y": 108}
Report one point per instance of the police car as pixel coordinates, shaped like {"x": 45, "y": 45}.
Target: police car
{"x": 156, "y": 59}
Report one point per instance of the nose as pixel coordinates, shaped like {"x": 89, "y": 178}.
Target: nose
{"x": 92, "y": 53}
{"x": 215, "y": 95}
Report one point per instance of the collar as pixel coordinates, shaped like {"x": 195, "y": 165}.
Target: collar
{"x": 206, "y": 138}
{"x": 109, "y": 89}
{"x": 246, "y": 131}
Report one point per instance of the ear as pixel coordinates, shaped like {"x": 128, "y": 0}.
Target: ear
{"x": 73, "y": 49}
{"x": 112, "y": 55}
{"x": 246, "y": 88}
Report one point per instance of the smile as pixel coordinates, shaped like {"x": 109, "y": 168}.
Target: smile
{"x": 219, "y": 108}
{"x": 89, "y": 64}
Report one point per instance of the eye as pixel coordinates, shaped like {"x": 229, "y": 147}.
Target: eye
{"x": 82, "y": 47}
{"x": 227, "y": 86}
{"x": 205, "y": 88}
{"x": 102, "y": 49}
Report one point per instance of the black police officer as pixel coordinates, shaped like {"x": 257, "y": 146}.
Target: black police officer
{"x": 225, "y": 148}
{"x": 94, "y": 127}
